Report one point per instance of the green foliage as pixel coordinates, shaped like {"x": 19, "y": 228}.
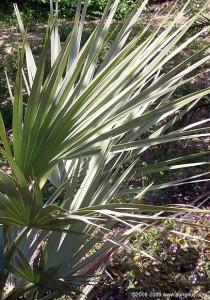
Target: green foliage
{"x": 96, "y": 8}
{"x": 196, "y": 5}
{"x": 83, "y": 115}
{"x": 177, "y": 264}
{"x": 37, "y": 9}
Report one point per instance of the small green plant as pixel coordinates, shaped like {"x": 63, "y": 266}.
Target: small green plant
{"x": 179, "y": 264}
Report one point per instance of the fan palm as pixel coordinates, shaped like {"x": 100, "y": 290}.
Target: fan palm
{"x": 84, "y": 127}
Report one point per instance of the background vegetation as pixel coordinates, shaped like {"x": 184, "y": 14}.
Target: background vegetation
{"x": 39, "y": 8}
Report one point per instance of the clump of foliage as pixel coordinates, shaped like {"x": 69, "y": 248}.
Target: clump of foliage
{"x": 97, "y": 7}
{"x": 38, "y": 9}
{"x": 80, "y": 123}
{"x": 179, "y": 264}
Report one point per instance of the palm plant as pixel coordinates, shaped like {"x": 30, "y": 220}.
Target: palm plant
{"x": 85, "y": 125}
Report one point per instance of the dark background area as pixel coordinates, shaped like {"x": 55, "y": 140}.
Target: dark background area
{"x": 39, "y": 8}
